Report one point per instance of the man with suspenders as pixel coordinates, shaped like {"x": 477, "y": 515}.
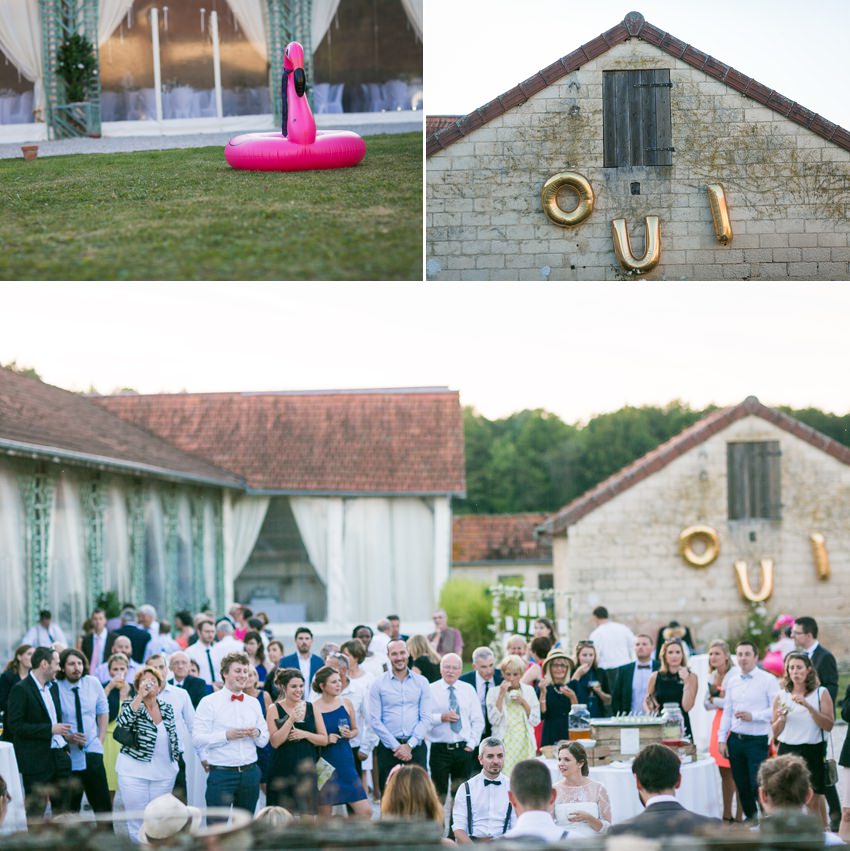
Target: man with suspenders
{"x": 481, "y": 808}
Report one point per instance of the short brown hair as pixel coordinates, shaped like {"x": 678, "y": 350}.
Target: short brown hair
{"x": 785, "y": 780}
{"x": 237, "y": 657}
{"x": 321, "y": 677}
{"x": 147, "y": 670}
{"x": 410, "y": 794}
{"x": 579, "y": 754}
{"x": 812, "y": 679}
{"x": 354, "y": 648}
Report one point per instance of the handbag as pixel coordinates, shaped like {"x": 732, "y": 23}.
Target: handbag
{"x": 830, "y": 768}
{"x": 126, "y": 736}
{"x": 324, "y": 771}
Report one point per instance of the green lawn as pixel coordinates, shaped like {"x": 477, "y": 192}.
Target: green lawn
{"x": 186, "y": 214}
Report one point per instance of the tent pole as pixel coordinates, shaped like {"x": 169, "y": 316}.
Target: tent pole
{"x": 219, "y": 109}
{"x": 157, "y": 69}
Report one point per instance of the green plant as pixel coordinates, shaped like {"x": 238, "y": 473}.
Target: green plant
{"x": 77, "y": 65}
{"x": 108, "y": 601}
{"x": 468, "y": 608}
{"x": 757, "y": 628}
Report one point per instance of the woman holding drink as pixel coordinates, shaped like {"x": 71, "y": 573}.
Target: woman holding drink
{"x": 556, "y": 698}
{"x": 295, "y": 731}
{"x": 590, "y": 682}
{"x": 514, "y": 711}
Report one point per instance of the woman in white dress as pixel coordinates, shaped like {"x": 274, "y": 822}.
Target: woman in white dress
{"x": 514, "y": 712}
{"x": 581, "y": 804}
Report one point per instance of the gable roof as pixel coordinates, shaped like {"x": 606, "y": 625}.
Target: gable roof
{"x": 635, "y": 26}
{"x": 403, "y": 441}
{"x": 480, "y": 538}
{"x": 677, "y": 446}
{"x": 38, "y": 420}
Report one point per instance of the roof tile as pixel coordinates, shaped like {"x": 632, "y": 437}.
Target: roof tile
{"x": 498, "y": 537}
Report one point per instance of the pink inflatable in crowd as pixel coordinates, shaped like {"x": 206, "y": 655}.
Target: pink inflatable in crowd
{"x": 299, "y": 146}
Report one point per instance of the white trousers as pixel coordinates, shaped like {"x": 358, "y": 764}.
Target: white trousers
{"x": 137, "y": 793}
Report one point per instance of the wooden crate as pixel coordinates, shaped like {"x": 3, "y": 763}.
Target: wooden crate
{"x": 607, "y": 736}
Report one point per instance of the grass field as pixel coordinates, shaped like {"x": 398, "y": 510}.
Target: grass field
{"x": 185, "y": 214}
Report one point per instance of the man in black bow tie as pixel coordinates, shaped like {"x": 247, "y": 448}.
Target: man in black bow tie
{"x": 632, "y": 679}
{"x": 481, "y": 807}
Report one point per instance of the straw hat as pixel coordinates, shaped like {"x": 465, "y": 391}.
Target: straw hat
{"x": 165, "y": 817}
{"x": 556, "y": 653}
{"x": 674, "y": 630}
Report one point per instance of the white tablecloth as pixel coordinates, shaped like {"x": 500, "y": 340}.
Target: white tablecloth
{"x": 16, "y": 817}
{"x": 699, "y": 792}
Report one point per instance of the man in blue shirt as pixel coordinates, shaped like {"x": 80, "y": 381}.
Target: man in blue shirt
{"x": 400, "y": 713}
{"x": 85, "y": 708}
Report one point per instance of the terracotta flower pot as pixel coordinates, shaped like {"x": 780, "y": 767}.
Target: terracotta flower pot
{"x": 30, "y": 151}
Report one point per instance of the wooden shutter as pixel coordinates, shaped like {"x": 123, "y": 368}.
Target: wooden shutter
{"x": 753, "y": 480}
{"x": 637, "y": 127}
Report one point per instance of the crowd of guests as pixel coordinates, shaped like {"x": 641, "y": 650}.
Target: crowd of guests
{"x": 214, "y": 713}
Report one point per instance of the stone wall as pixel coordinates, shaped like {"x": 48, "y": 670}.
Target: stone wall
{"x": 624, "y": 554}
{"x": 788, "y": 190}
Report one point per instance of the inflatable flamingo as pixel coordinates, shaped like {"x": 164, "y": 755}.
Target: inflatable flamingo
{"x": 299, "y": 146}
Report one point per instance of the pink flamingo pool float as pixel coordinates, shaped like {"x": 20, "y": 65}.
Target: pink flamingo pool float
{"x": 299, "y": 146}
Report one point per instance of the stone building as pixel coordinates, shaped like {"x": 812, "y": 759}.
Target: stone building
{"x": 499, "y": 548}
{"x": 326, "y": 507}
{"x": 684, "y": 168}
{"x": 747, "y": 504}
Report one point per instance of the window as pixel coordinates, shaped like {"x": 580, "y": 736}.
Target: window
{"x": 637, "y": 128}
{"x": 753, "y": 475}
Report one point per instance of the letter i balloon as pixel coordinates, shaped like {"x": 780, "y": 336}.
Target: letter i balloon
{"x": 299, "y": 146}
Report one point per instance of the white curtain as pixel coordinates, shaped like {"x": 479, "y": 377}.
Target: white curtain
{"x": 210, "y": 543}
{"x": 185, "y": 555}
{"x": 413, "y": 9}
{"x": 249, "y": 512}
{"x": 116, "y": 543}
{"x": 12, "y": 564}
{"x": 154, "y": 552}
{"x": 389, "y": 558}
{"x": 66, "y": 574}
{"x": 323, "y": 15}
{"x": 20, "y": 40}
{"x": 311, "y": 515}
{"x": 249, "y": 13}
{"x": 110, "y": 14}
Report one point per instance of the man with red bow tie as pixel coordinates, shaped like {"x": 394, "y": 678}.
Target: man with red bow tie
{"x": 229, "y": 727}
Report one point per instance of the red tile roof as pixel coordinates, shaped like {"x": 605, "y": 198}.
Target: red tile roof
{"x": 433, "y": 123}
{"x": 634, "y": 26}
{"x": 677, "y": 446}
{"x": 358, "y": 442}
{"x": 498, "y": 537}
{"x": 38, "y": 420}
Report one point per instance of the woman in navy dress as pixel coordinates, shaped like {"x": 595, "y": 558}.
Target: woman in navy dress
{"x": 590, "y": 682}
{"x": 295, "y": 731}
{"x": 344, "y": 787}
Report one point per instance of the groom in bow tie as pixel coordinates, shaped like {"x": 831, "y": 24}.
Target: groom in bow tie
{"x": 481, "y": 809}
{"x": 229, "y": 727}
{"x": 629, "y": 692}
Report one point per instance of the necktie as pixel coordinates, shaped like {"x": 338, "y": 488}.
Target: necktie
{"x": 212, "y": 667}
{"x": 453, "y": 707}
{"x": 239, "y": 697}
{"x": 79, "y": 708}
{"x": 492, "y": 783}
{"x": 644, "y": 667}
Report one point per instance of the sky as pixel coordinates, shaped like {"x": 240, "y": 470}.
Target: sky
{"x": 477, "y": 49}
{"x": 573, "y": 349}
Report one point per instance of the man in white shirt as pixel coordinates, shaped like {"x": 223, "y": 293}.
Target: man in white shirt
{"x": 457, "y": 724}
{"x": 45, "y": 633}
{"x": 482, "y": 810}
{"x": 532, "y": 796}
{"x": 124, "y": 646}
{"x": 745, "y": 724}
{"x": 614, "y": 643}
{"x": 229, "y": 727}
{"x": 204, "y": 654}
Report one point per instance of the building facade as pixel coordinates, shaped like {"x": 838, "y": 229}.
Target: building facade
{"x": 638, "y": 155}
{"x": 746, "y": 505}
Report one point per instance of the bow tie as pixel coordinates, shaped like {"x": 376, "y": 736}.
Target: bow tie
{"x": 492, "y": 782}
{"x": 644, "y": 667}
{"x": 239, "y": 697}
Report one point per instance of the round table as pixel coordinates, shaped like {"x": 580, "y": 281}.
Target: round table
{"x": 699, "y": 791}
{"x": 16, "y": 817}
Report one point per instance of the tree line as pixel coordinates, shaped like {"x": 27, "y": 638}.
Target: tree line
{"x": 534, "y": 461}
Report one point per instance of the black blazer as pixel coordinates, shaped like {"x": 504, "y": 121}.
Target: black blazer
{"x": 827, "y": 670}
{"x": 844, "y": 759}
{"x": 197, "y": 689}
{"x": 30, "y": 724}
{"x": 621, "y": 698}
{"x": 497, "y": 680}
{"x": 139, "y": 639}
{"x": 87, "y": 646}
{"x": 666, "y": 818}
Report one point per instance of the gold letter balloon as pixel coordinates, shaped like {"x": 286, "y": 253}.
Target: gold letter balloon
{"x": 766, "y": 589}
{"x": 719, "y": 213}
{"x": 549, "y": 198}
{"x": 623, "y": 247}
{"x": 710, "y": 545}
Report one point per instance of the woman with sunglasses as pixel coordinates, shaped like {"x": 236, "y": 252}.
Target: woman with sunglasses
{"x": 589, "y": 682}
{"x": 673, "y": 682}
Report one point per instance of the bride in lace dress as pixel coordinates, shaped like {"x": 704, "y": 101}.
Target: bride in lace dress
{"x": 582, "y": 805}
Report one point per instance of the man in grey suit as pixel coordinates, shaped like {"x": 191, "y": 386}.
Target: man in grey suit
{"x": 657, "y": 771}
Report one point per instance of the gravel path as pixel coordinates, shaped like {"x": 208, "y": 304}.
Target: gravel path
{"x": 121, "y": 144}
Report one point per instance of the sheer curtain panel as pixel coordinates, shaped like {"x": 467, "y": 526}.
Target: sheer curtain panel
{"x": 110, "y": 14}
{"x": 413, "y": 10}
{"x": 20, "y": 40}
{"x": 116, "y": 543}
{"x": 12, "y": 535}
{"x": 249, "y": 13}
{"x": 323, "y": 15}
